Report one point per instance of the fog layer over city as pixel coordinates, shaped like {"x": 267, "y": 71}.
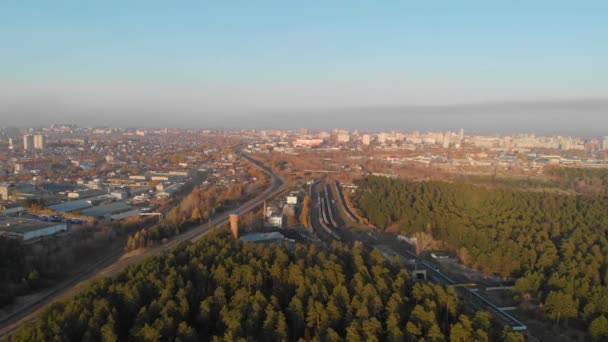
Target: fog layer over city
{"x": 576, "y": 117}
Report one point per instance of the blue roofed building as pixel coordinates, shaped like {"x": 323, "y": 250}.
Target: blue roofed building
{"x": 272, "y": 237}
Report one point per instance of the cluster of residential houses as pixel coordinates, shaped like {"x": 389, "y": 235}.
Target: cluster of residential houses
{"x": 276, "y": 213}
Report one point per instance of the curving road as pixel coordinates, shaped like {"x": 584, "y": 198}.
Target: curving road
{"x": 29, "y": 313}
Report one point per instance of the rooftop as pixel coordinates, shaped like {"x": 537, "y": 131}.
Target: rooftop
{"x": 71, "y": 206}
{"x": 106, "y": 209}
{"x": 262, "y": 237}
{"x": 23, "y": 225}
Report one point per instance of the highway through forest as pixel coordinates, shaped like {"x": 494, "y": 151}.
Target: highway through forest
{"x": 28, "y": 313}
{"x": 327, "y": 223}
{"x": 320, "y": 216}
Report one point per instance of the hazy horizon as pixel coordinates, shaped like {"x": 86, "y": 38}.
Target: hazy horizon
{"x": 584, "y": 117}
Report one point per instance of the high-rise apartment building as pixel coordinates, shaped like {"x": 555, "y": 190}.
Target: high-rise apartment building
{"x": 446, "y": 140}
{"x": 365, "y": 139}
{"x": 39, "y": 141}
{"x": 382, "y": 138}
{"x": 605, "y": 143}
{"x": 28, "y": 142}
{"x": 343, "y": 137}
{"x": 324, "y": 135}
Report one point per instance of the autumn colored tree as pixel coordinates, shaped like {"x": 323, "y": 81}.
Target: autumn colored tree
{"x": 599, "y": 328}
{"x": 560, "y": 305}
{"x": 305, "y": 212}
{"x": 196, "y": 215}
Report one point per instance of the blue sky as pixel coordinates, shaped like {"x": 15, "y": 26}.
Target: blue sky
{"x": 291, "y": 54}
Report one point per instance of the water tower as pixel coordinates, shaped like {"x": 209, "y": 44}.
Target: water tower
{"x": 234, "y": 225}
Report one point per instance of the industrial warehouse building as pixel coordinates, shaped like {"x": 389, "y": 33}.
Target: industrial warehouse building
{"x": 29, "y": 229}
